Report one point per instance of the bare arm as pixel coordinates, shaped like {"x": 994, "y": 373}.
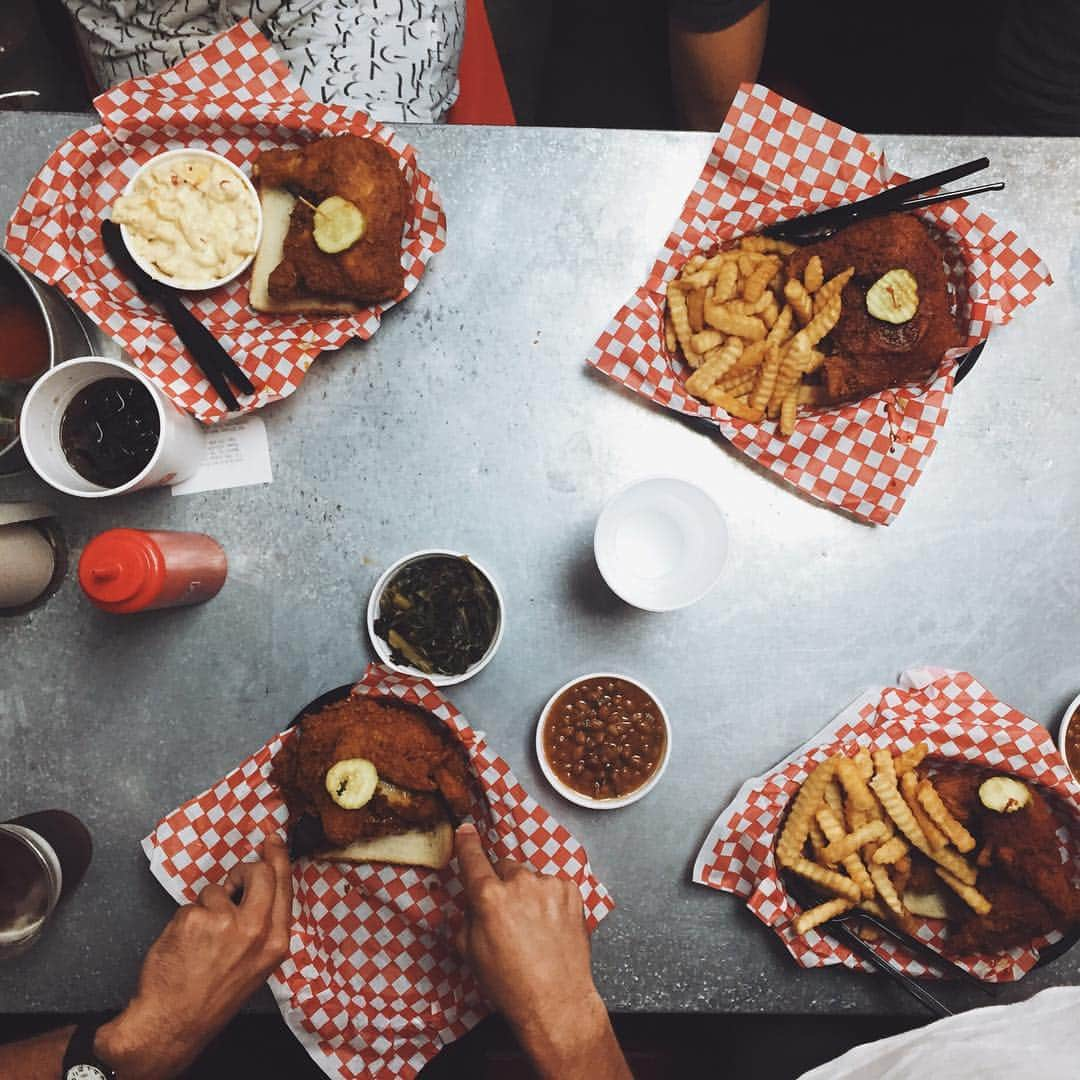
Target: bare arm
{"x": 208, "y": 961}
{"x": 706, "y": 68}
{"x": 526, "y": 940}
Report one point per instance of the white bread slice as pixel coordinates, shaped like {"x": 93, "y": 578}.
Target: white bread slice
{"x": 431, "y": 847}
{"x": 277, "y": 206}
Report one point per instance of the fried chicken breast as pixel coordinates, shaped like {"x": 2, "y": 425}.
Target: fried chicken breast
{"x": 865, "y": 354}
{"x": 365, "y": 173}
{"x": 422, "y": 771}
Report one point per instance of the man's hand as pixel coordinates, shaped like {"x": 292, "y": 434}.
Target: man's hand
{"x": 208, "y": 961}
{"x": 526, "y": 941}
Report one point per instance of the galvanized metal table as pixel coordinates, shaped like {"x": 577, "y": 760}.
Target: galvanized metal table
{"x": 471, "y": 421}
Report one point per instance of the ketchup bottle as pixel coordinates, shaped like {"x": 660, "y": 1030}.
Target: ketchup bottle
{"x": 128, "y": 570}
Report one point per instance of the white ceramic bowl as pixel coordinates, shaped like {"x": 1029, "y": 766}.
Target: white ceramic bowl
{"x": 208, "y": 283}
{"x": 383, "y": 649}
{"x": 586, "y": 800}
{"x": 1070, "y": 717}
{"x": 660, "y": 543}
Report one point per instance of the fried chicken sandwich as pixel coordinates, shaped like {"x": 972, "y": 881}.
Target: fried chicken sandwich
{"x": 369, "y": 780}
{"x": 333, "y": 215}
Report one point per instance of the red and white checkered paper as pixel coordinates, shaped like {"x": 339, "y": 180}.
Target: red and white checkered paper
{"x": 775, "y": 160}
{"x": 235, "y": 97}
{"x": 373, "y": 986}
{"x": 961, "y": 721}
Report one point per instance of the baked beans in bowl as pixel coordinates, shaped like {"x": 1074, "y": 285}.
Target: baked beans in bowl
{"x": 603, "y": 740}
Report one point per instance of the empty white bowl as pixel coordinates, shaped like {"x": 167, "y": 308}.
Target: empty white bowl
{"x": 383, "y": 649}
{"x": 588, "y": 801}
{"x": 1070, "y": 717}
{"x": 660, "y": 543}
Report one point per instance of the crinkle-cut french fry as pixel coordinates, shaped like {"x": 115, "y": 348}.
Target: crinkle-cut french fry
{"x": 681, "y": 321}
{"x": 897, "y": 809}
{"x": 814, "y": 274}
{"x": 817, "y": 358}
{"x": 818, "y": 842}
{"x": 748, "y": 327}
{"x": 883, "y": 766}
{"x": 695, "y": 309}
{"x": 858, "y": 794}
{"x": 834, "y": 800}
{"x": 699, "y": 279}
{"x": 796, "y": 295}
{"x": 754, "y": 286}
{"x": 909, "y": 784}
{"x": 751, "y": 357}
{"x": 694, "y": 263}
{"x": 797, "y": 826}
{"x": 789, "y": 410}
{"x": 893, "y": 850}
{"x": 812, "y": 396}
{"x": 822, "y": 322}
{"x": 939, "y": 814}
{"x": 864, "y": 763}
{"x": 849, "y": 844}
{"x": 968, "y": 893}
{"x": 727, "y": 282}
{"x": 736, "y": 383}
{"x": 879, "y": 875}
{"x": 671, "y": 342}
{"x": 829, "y": 822}
{"x": 766, "y": 378}
{"x": 771, "y": 311}
{"x": 766, "y": 245}
{"x": 911, "y": 758}
{"x": 717, "y": 362}
{"x": 794, "y": 356}
{"x": 748, "y": 307}
{"x": 705, "y": 340}
{"x": 827, "y": 879}
{"x": 731, "y": 404}
{"x": 781, "y": 329}
{"x": 955, "y": 863}
{"x": 815, "y": 916}
{"x": 832, "y": 288}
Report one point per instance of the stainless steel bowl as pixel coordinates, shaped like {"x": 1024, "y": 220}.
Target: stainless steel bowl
{"x": 68, "y": 337}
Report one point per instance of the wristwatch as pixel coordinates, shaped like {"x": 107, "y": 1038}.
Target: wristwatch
{"x": 80, "y": 1061}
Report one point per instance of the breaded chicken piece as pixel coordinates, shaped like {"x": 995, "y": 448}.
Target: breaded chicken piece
{"x": 1024, "y": 844}
{"x": 419, "y": 766}
{"x": 365, "y": 173}
{"x": 1016, "y": 916}
{"x": 865, "y": 354}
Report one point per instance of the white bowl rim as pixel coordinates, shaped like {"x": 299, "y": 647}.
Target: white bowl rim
{"x": 1063, "y": 730}
{"x": 610, "y": 501}
{"x": 210, "y": 283}
{"x": 577, "y": 797}
{"x": 383, "y": 649}
{"x": 125, "y": 369}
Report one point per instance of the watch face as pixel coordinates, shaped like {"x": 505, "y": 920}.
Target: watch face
{"x": 84, "y": 1072}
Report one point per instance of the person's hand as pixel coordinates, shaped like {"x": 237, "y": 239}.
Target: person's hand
{"x": 526, "y": 941}
{"x": 208, "y": 961}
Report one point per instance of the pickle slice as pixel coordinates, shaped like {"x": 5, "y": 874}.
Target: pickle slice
{"x": 352, "y": 782}
{"x": 894, "y": 297}
{"x": 1003, "y": 795}
{"x": 338, "y": 224}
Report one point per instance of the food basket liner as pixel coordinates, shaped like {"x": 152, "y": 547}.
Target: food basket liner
{"x": 775, "y": 160}
{"x": 960, "y": 721}
{"x": 373, "y": 986}
{"x": 235, "y": 97}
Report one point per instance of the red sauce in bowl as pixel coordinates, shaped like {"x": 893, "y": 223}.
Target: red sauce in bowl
{"x": 1072, "y": 743}
{"x": 24, "y": 339}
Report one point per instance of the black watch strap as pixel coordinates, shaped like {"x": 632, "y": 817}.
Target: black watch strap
{"x": 80, "y": 1061}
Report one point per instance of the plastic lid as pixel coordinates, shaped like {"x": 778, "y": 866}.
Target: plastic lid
{"x": 117, "y": 566}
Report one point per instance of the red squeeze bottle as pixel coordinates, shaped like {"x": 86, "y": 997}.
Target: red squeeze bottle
{"x": 128, "y": 570}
